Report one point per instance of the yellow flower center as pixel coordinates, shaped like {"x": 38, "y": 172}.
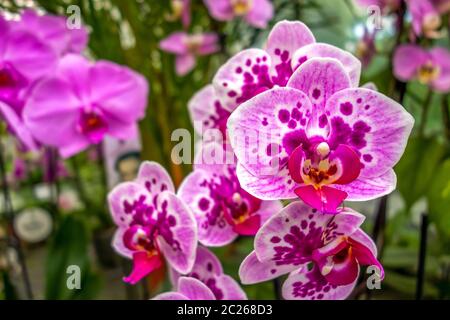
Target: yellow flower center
{"x": 427, "y": 73}
{"x": 241, "y": 7}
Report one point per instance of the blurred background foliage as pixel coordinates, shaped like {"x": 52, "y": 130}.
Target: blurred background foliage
{"x": 128, "y": 32}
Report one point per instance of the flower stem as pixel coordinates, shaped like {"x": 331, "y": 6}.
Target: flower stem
{"x": 422, "y": 256}
{"x": 277, "y": 288}
{"x": 425, "y": 109}
{"x": 446, "y": 116}
{"x": 12, "y": 237}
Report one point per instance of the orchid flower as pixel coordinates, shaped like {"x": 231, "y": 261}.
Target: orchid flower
{"x": 223, "y": 209}
{"x": 323, "y": 253}
{"x": 153, "y": 223}
{"x": 208, "y": 269}
{"x": 187, "y": 47}
{"x": 54, "y": 30}
{"x": 386, "y": 6}
{"x": 181, "y": 9}
{"x": 252, "y": 71}
{"x": 432, "y": 68}
{"x": 24, "y": 59}
{"x": 319, "y": 139}
{"x": 188, "y": 289}
{"x": 83, "y": 101}
{"x": 256, "y": 13}
{"x": 426, "y": 16}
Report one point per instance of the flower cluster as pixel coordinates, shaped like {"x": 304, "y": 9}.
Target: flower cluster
{"x": 300, "y": 127}
{"x": 51, "y": 95}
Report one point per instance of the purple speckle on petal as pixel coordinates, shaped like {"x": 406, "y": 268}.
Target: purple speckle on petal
{"x": 367, "y": 157}
{"x": 203, "y": 204}
{"x": 283, "y": 115}
{"x": 316, "y": 93}
{"x": 346, "y": 108}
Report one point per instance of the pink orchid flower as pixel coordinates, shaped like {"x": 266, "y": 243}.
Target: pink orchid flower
{"x": 253, "y": 71}
{"x": 208, "y": 269}
{"x": 319, "y": 139}
{"x": 386, "y": 6}
{"x": 188, "y": 289}
{"x": 322, "y": 253}
{"x": 432, "y": 67}
{"x": 187, "y": 47}
{"x": 83, "y": 101}
{"x": 54, "y": 30}
{"x": 153, "y": 223}
{"x": 223, "y": 209}
{"x": 24, "y": 59}
{"x": 181, "y": 9}
{"x": 426, "y": 16}
{"x": 289, "y": 45}
{"x": 256, "y": 13}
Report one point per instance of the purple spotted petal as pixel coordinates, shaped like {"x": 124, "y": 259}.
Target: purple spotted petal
{"x": 319, "y": 79}
{"x": 230, "y": 288}
{"x": 407, "y": 59}
{"x": 206, "y": 111}
{"x": 254, "y": 271}
{"x": 363, "y": 189}
{"x": 122, "y": 198}
{"x": 311, "y": 285}
{"x": 213, "y": 229}
{"x": 278, "y": 186}
{"x": 154, "y": 178}
{"x": 177, "y": 238}
{"x": 316, "y": 50}
{"x": 242, "y": 77}
{"x": 374, "y": 125}
{"x": 194, "y": 289}
{"x": 284, "y": 39}
{"x": 266, "y": 129}
{"x": 260, "y": 13}
{"x": 119, "y": 245}
{"x": 289, "y": 237}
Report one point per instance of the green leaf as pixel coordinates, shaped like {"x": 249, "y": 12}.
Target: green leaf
{"x": 439, "y": 199}
{"x": 69, "y": 247}
{"x": 416, "y": 170}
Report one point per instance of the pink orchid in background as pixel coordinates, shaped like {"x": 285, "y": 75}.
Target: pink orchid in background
{"x": 223, "y": 209}
{"x": 319, "y": 139}
{"x": 84, "y": 101}
{"x": 430, "y": 67}
{"x": 181, "y": 9}
{"x": 208, "y": 269}
{"x": 153, "y": 223}
{"x": 386, "y": 6}
{"x": 426, "y": 16}
{"x": 256, "y": 13}
{"x": 323, "y": 253}
{"x": 188, "y": 289}
{"x": 289, "y": 45}
{"x": 187, "y": 47}
{"x": 53, "y": 30}
{"x": 24, "y": 59}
